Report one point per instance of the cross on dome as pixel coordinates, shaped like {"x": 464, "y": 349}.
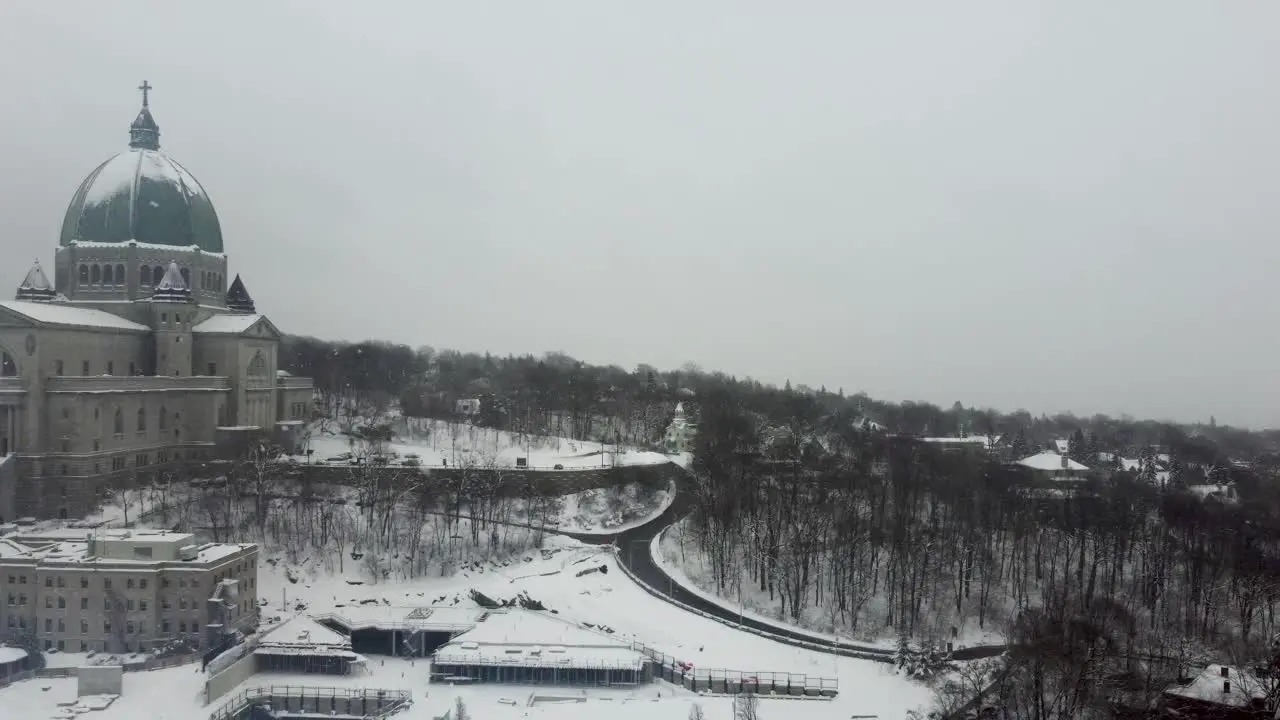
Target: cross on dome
{"x": 145, "y": 87}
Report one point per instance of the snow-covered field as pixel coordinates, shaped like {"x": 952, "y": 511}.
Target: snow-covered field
{"x": 173, "y": 694}
{"x": 436, "y": 442}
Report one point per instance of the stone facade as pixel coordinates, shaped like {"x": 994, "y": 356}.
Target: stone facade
{"x": 138, "y": 352}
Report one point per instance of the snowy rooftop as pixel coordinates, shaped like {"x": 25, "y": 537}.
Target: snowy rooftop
{"x": 228, "y": 324}
{"x": 534, "y": 639}
{"x": 1212, "y": 686}
{"x": 301, "y": 635}
{"x": 983, "y": 440}
{"x": 53, "y": 549}
{"x": 147, "y": 246}
{"x": 431, "y": 619}
{"x": 70, "y": 316}
{"x": 11, "y": 654}
{"x": 1051, "y": 461}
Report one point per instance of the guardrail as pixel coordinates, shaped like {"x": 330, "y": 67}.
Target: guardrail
{"x": 885, "y": 656}
{"x": 385, "y": 701}
{"x": 734, "y": 682}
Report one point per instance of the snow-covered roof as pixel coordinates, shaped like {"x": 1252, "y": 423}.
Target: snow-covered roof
{"x": 983, "y": 440}
{"x": 1051, "y": 461}
{"x": 300, "y": 633}
{"x": 11, "y": 654}
{"x": 1234, "y": 689}
{"x": 69, "y": 316}
{"x": 1064, "y": 446}
{"x": 431, "y": 619}
{"x": 531, "y": 638}
{"x": 227, "y": 324}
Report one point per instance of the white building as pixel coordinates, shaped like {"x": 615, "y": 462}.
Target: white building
{"x": 680, "y": 433}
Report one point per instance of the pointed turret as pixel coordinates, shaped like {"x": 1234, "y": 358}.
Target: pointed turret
{"x": 172, "y": 287}
{"x": 238, "y": 299}
{"x": 144, "y": 133}
{"x": 36, "y": 286}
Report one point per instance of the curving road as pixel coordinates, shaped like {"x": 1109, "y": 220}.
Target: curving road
{"x": 633, "y": 551}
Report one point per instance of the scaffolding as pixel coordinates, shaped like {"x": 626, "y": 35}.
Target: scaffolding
{"x": 300, "y": 699}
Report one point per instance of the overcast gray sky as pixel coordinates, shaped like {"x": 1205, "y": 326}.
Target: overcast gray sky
{"x": 1055, "y": 206}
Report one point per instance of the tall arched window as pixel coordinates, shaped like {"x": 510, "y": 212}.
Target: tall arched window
{"x": 258, "y": 365}
{"x": 157, "y": 274}
{"x": 186, "y": 277}
{"x": 108, "y": 277}
{"x": 97, "y": 274}
{"x": 164, "y": 419}
{"x": 142, "y": 419}
{"x": 144, "y": 276}
{"x": 8, "y": 368}
{"x": 84, "y": 274}
{"x": 117, "y": 423}
{"x": 119, "y": 274}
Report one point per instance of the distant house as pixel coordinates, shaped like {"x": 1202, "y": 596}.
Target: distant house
{"x": 970, "y": 442}
{"x": 1220, "y": 691}
{"x": 469, "y": 406}
{"x": 1053, "y": 466}
{"x": 680, "y": 433}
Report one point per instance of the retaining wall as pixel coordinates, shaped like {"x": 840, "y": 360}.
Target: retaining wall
{"x": 510, "y": 481}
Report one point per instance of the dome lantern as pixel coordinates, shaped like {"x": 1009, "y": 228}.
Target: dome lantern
{"x": 144, "y": 133}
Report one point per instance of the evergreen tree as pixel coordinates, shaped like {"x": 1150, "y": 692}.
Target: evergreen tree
{"x": 1019, "y": 450}
{"x": 1076, "y": 447}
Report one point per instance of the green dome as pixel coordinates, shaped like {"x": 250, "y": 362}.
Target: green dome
{"x": 143, "y": 195}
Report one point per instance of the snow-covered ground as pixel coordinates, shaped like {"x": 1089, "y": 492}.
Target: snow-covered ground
{"x": 173, "y": 694}
{"x": 688, "y": 567}
{"x": 603, "y": 597}
{"x": 437, "y": 441}
{"x": 608, "y": 599}
{"x": 612, "y": 509}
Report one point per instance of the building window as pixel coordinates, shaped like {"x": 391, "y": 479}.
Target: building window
{"x": 129, "y": 584}
{"x": 62, "y": 603}
{"x": 186, "y": 276}
{"x": 106, "y": 626}
{"x": 142, "y": 460}
{"x": 106, "y": 584}
{"x": 111, "y": 367}
{"x": 142, "y": 419}
{"x": 84, "y": 368}
{"x": 97, "y": 445}
{"x": 48, "y": 625}
{"x": 108, "y": 276}
{"x": 48, "y": 581}
{"x": 57, "y": 367}
{"x": 213, "y": 370}
{"x": 163, "y": 419}
{"x": 97, "y": 274}
{"x": 129, "y": 627}
{"x": 142, "y": 605}
{"x": 8, "y": 368}
{"x": 144, "y": 276}
{"x": 66, "y": 448}
{"x": 119, "y": 274}
{"x": 117, "y": 423}
{"x": 195, "y": 626}
{"x": 84, "y": 603}
{"x": 258, "y": 365}
{"x": 84, "y": 274}
{"x": 84, "y": 627}
{"x": 133, "y": 369}
{"x": 157, "y": 275}
{"x": 182, "y": 627}
{"x": 165, "y": 626}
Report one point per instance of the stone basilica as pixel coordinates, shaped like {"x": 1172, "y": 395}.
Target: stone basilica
{"x": 139, "y": 356}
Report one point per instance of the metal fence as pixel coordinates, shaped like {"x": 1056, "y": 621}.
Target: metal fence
{"x": 371, "y": 703}
{"x": 719, "y": 680}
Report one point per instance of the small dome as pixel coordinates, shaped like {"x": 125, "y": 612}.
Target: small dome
{"x": 143, "y": 195}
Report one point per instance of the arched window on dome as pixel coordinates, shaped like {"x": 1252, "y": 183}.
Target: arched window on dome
{"x": 84, "y": 274}
{"x": 144, "y": 276}
{"x": 142, "y": 419}
{"x": 8, "y": 368}
{"x": 117, "y": 423}
{"x": 219, "y": 284}
{"x": 107, "y": 278}
{"x": 119, "y": 274}
{"x": 156, "y": 275}
{"x": 186, "y": 276}
{"x": 97, "y": 274}
{"x": 163, "y": 419}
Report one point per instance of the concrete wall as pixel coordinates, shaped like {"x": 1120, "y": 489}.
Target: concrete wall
{"x": 99, "y": 680}
{"x": 227, "y": 680}
{"x": 512, "y": 481}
